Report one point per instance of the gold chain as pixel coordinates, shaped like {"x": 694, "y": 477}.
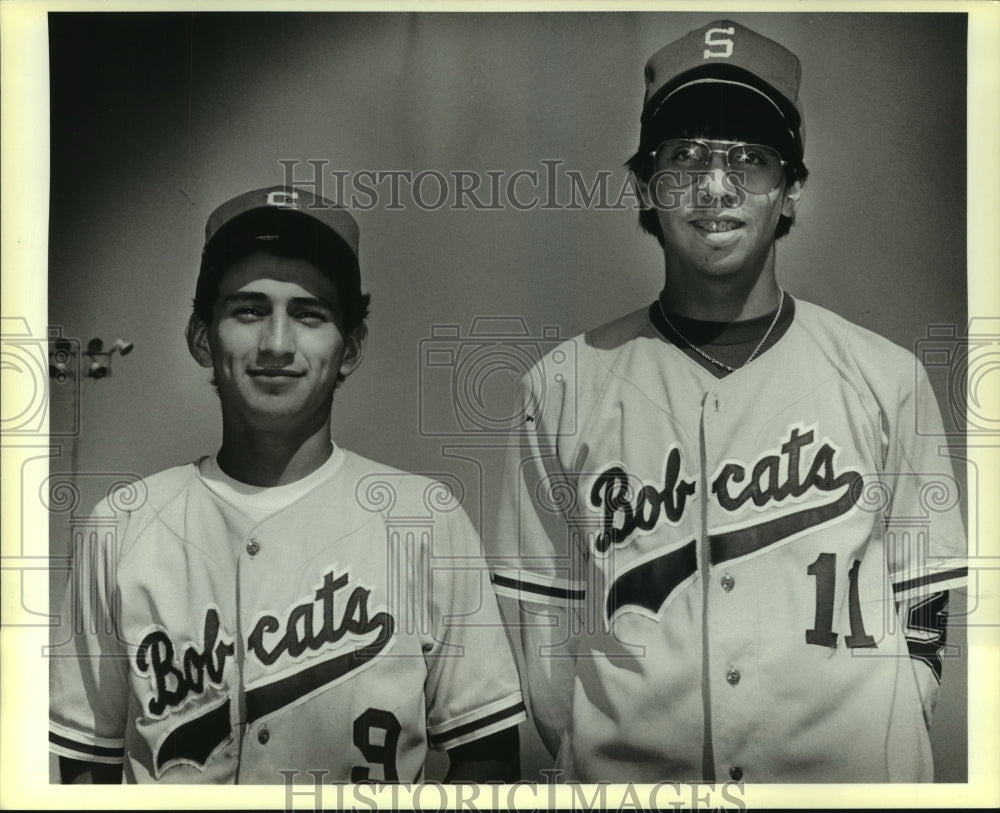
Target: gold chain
{"x": 703, "y": 354}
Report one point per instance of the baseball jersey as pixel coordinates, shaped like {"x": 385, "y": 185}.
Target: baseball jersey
{"x": 343, "y": 632}
{"x": 736, "y": 562}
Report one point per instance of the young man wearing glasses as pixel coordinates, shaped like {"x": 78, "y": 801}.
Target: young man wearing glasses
{"x": 698, "y": 525}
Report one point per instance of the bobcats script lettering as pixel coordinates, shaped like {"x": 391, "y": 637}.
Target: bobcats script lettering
{"x": 611, "y": 491}
{"x": 765, "y": 480}
{"x": 299, "y": 634}
{"x": 774, "y": 477}
{"x": 156, "y": 655}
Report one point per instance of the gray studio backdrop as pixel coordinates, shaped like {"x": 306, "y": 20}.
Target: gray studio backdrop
{"x": 156, "y": 119}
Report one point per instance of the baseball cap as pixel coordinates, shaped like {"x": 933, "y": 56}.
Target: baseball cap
{"x": 286, "y": 219}
{"x": 726, "y": 57}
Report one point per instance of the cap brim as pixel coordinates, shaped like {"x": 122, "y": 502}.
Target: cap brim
{"x": 722, "y": 107}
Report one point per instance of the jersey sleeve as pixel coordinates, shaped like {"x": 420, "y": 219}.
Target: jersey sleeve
{"x": 926, "y": 536}
{"x": 536, "y": 558}
{"x": 473, "y": 688}
{"x": 88, "y": 667}
{"x": 925, "y": 529}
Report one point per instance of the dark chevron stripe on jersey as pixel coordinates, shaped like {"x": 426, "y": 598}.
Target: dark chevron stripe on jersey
{"x": 744, "y": 541}
{"x": 270, "y": 698}
{"x": 86, "y": 748}
{"x": 442, "y": 737}
{"x": 195, "y": 740}
{"x": 539, "y": 589}
{"x": 931, "y": 578}
{"x": 649, "y": 584}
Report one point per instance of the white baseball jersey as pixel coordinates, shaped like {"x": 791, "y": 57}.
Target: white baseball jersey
{"x": 742, "y": 557}
{"x": 341, "y": 633}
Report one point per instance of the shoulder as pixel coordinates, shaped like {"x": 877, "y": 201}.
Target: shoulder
{"x": 850, "y": 346}
{"x": 570, "y": 382}
{"x": 136, "y": 506}
{"x": 591, "y": 355}
{"x": 381, "y": 488}
{"x": 132, "y": 495}
{"x": 617, "y": 333}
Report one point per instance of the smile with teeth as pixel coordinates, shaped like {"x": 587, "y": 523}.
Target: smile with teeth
{"x": 718, "y": 225}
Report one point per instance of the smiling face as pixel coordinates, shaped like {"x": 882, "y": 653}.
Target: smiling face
{"x": 712, "y": 229}
{"x": 718, "y": 229}
{"x": 275, "y": 343}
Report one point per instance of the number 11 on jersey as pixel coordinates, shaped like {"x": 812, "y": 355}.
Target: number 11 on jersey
{"x": 822, "y": 634}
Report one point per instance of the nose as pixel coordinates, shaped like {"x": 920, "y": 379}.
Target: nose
{"x": 277, "y": 341}
{"x": 716, "y": 185}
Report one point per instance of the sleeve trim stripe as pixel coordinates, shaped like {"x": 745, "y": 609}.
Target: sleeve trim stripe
{"x": 540, "y": 589}
{"x": 931, "y": 578}
{"x": 480, "y": 733}
{"x": 85, "y": 748}
{"x": 438, "y": 740}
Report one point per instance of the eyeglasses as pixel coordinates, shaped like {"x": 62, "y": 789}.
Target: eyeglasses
{"x": 753, "y": 167}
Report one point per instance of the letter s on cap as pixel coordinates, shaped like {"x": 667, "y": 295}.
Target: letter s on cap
{"x": 715, "y": 43}
{"x": 281, "y": 198}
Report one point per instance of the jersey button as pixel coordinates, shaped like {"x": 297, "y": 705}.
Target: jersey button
{"x": 733, "y": 676}
{"x": 253, "y": 547}
{"x": 736, "y": 773}
{"x": 263, "y": 736}
{"x": 727, "y": 582}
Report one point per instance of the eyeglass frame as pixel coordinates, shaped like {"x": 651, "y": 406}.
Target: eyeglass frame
{"x": 732, "y": 144}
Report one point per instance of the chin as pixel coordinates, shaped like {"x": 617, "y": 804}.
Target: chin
{"x": 722, "y": 268}
{"x": 272, "y": 410}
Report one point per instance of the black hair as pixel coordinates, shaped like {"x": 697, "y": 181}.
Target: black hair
{"x": 722, "y": 112}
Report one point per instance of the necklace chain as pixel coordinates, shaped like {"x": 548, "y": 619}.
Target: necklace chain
{"x": 703, "y": 354}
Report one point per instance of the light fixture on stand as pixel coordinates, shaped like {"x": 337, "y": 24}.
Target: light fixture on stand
{"x": 122, "y": 346}
{"x": 66, "y": 361}
{"x": 100, "y": 359}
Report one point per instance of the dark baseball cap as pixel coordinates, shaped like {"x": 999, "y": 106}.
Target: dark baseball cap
{"x": 286, "y": 219}
{"x": 727, "y": 60}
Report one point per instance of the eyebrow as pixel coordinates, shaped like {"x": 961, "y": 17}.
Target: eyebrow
{"x": 256, "y": 298}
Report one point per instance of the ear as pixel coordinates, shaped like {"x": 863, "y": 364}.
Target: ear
{"x": 197, "y": 340}
{"x": 793, "y": 196}
{"x": 354, "y": 350}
